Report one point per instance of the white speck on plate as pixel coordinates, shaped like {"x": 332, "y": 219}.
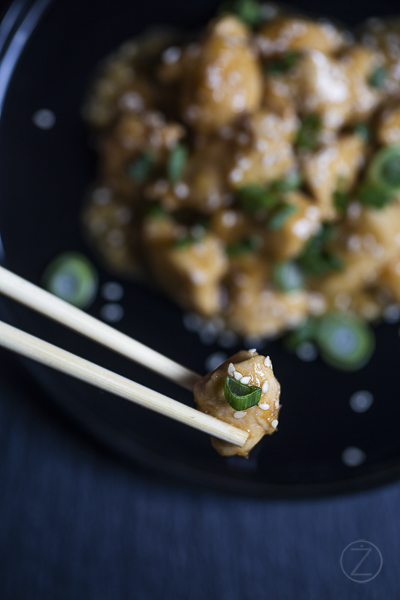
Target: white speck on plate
{"x": 228, "y": 339}
{"x": 112, "y": 312}
{"x": 192, "y": 321}
{"x": 44, "y": 118}
{"x": 353, "y": 456}
{"x": 391, "y": 314}
{"x": 253, "y": 341}
{"x": 361, "y": 401}
{"x": 214, "y": 360}
{"x": 307, "y": 351}
{"x": 112, "y": 291}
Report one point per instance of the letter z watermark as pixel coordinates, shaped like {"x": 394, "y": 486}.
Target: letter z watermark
{"x": 361, "y": 561}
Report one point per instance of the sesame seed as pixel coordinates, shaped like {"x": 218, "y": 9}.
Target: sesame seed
{"x": 267, "y": 362}
{"x": 277, "y": 404}
{"x": 252, "y": 350}
{"x": 239, "y": 415}
{"x": 265, "y": 387}
{"x": 231, "y": 369}
{"x": 264, "y": 406}
{"x": 275, "y": 423}
{"x": 237, "y": 375}
{"x": 245, "y": 380}
{"x": 112, "y": 291}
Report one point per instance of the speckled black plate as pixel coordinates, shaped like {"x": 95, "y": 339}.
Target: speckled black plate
{"x": 50, "y": 50}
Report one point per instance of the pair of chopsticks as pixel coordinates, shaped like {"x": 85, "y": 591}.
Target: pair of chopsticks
{"x": 36, "y": 349}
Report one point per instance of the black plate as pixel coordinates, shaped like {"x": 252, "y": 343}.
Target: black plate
{"x": 50, "y": 51}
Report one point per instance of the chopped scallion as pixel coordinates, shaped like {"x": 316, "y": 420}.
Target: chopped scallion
{"x": 279, "y": 216}
{"x": 384, "y": 169}
{"x": 340, "y": 200}
{"x": 288, "y": 276}
{"x": 249, "y": 244}
{"x": 248, "y": 11}
{"x": 317, "y": 258}
{"x": 139, "y": 170}
{"x": 254, "y": 197}
{"x": 176, "y": 163}
{"x": 288, "y": 184}
{"x": 283, "y": 64}
{"x": 73, "y": 278}
{"x": 373, "y": 196}
{"x": 155, "y": 211}
{"x": 363, "y": 130}
{"x": 239, "y": 395}
{"x": 345, "y": 341}
{"x": 304, "y": 333}
{"x": 377, "y": 77}
{"x": 308, "y": 134}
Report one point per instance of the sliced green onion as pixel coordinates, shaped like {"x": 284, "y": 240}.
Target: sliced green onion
{"x": 239, "y": 395}
{"x": 249, "y": 244}
{"x": 183, "y": 242}
{"x": 308, "y": 134}
{"x": 373, "y": 196}
{"x": 72, "y": 277}
{"x": 288, "y": 184}
{"x": 155, "y": 211}
{"x": 254, "y": 197}
{"x": 287, "y": 276}
{"x": 345, "y": 341}
{"x": 384, "y": 169}
{"x": 139, "y": 170}
{"x": 248, "y": 11}
{"x": 317, "y": 258}
{"x": 304, "y": 333}
{"x": 377, "y": 77}
{"x": 176, "y": 163}
{"x": 283, "y": 64}
{"x": 280, "y": 215}
{"x": 340, "y": 200}
{"x": 363, "y": 130}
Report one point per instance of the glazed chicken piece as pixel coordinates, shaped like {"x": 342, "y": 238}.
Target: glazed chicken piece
{"x": 263, "y": 148}
{"x": 136, "y": 138}
{"x": 388, "y": 124}
{"x": 225, "y": 80}
{"x": 332, "y": 168}
{"x": 383, "y": 36}
{"x": 367, "y": 243}
{"x": 254, "y": 370}
{"x": 189, "y": 269}
{"x": 339, "y": 90}
{"x": 297, "y": 33}
{"x": 288, "y": 241}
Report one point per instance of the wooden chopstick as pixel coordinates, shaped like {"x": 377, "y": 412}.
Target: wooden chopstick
{"x": 32, "y": 347}
{"x": 38, "y": 299}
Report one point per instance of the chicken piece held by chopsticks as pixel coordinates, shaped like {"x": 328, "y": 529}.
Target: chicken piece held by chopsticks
{"x": 244, "y": 392}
